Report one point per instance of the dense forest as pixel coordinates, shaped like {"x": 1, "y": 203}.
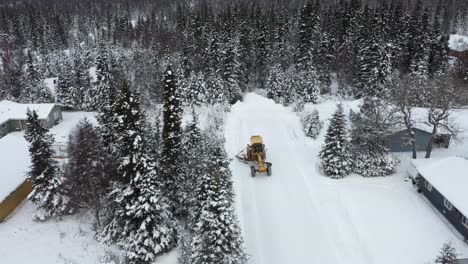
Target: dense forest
{"x": 219, "y": 49}
{"x": 153, "y": 183}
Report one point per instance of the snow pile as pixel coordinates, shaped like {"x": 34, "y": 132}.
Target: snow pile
{"x": 458, "y": 42}
{"x": 14, "y": 161}
{"x": 449, "y": 177}
{"x": 12, "y": 110}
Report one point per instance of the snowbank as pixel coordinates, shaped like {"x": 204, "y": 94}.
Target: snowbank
{"x": 458, "y": 42}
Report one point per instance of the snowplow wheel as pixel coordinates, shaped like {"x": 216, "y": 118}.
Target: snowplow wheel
{"x": 253, "y": 171}
{"x": 269, "y": 170}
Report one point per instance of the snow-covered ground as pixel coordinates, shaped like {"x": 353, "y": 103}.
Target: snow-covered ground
{"x": 300, "y": 216}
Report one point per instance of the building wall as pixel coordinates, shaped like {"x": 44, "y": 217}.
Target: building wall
{"x": 437, "y": 199}
{"x": 4, "y": 129}
{"x": 399, "y": 141}
{"x": 8, "y": 205}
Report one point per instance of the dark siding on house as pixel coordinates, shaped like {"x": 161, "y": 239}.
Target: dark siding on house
{"x": 399, "y": 141}
{"x": 437, "y": 199}
{"x": 4, "y": 129}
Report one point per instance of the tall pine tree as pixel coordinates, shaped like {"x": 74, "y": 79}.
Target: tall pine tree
{"x": 335, "y": 153}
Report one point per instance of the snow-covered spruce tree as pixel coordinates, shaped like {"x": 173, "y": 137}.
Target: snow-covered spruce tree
{"x": 150, "y": 229}
{"x": 34, "y": 89}
{"x": 448, "y": 255}
{"x": 193, "y": 150}
{"x": 102, "y": 89}
{"x": 335, "y": 153}
{"x": 141, "y": 223}
{"x": 81, "y": 82}
{"x": 276, "y": 85}
{"x": 230, "y": 70}
{"x": 44, "y": 173}
{"x": 193, "y": 89}
{"x": 311, "y": 123}
{"x": 172, "y": 138}
{"x": 87, "y": 173}
{"x": 65, "y": 85}
{"x": 217, "y": 237}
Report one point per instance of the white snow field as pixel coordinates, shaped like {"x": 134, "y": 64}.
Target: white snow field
{"x": 299, "y": 216}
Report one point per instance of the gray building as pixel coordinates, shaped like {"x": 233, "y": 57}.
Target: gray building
{"x": 444, "y": 183}
{"x": 13, "y": 115}
{"x": 399, "y": 139}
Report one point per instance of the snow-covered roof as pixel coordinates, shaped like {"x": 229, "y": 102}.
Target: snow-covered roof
{"x": 14, "y": 161}
{"x": 449, "y": 176}
{"x": 458, "y": 42}
{"x": 11, "y": 110}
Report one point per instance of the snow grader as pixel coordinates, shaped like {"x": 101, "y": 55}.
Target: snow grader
{"x": 255, "y": 156}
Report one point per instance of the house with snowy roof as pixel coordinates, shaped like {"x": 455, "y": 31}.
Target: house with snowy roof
{"x": 13, "y": 115}
{"x": 444, "y": 183}
{"x": 399, "y": 139}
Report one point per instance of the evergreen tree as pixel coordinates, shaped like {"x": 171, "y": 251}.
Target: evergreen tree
{"x": 276, "y": 85}
{"x": 448, "y": 255}
{"x": 103, "y": 89}
{"x": 335, "y": 153}
{"x": 141, "y": 222}
{"x": 65, "y": 85}
{"x": 87, "y": 172}
{"x": 44, "y": 173}
{"x": 193, "y": 152}
{"x": 34, "y": 89}
{"x": 149, "y": 225}
{"x": 81, "y": 83}
{"x": 231, "y": 71}
{"x": 172, "y": 139}
{"x": 311, "y": 123}
{"x": 217, "y": 236}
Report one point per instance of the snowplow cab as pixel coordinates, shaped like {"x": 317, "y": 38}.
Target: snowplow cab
{"x": 256, "y": 147}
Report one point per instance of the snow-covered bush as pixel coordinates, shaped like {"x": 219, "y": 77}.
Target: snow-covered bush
{"x": 311, "y": 123}
{"x": 373, "y": 166}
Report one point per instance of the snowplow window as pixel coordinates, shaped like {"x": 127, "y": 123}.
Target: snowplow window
{"x": 257, "y": 148}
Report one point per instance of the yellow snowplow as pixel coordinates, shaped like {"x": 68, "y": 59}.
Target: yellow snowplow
{"x": 255, "y": 156}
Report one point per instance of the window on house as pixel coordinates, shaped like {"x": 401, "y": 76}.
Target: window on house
{"x": 428, "y": 186}
{"x": 465, "y": 222}
{"x": 448, "y": 204}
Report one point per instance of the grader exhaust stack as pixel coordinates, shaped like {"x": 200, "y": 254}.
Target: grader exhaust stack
{"x": 255, "y": 156}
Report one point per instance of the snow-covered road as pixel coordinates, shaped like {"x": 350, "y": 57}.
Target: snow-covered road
{"x": 298, "y": 216}
{"x": 280, "y": 218}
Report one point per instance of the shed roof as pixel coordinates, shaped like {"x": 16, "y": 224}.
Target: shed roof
{"x": 14, "y": 161}
{"x": 14, "y": 111}
{"x": 450, "y": 177}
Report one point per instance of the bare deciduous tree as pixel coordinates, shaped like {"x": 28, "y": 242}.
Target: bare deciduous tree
{"x": 403, "y": 96}
{"x": 440, "y": 98}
